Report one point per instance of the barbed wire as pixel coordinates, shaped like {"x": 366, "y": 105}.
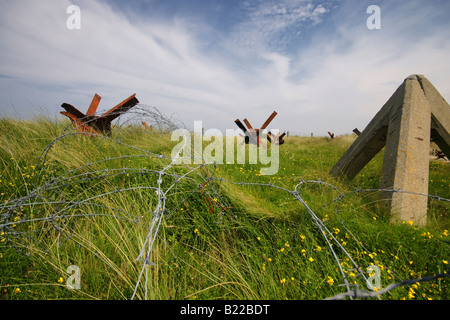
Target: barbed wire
{"x": 357, "y": 293}
{"x": 165, "y": 180}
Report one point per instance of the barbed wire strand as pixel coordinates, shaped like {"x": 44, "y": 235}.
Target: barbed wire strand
{"x": 166, "y": 125}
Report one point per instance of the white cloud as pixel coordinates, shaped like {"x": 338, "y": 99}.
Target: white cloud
{"x": 347, "y": 85}
{"x": 160, "y": 62}
{"x": 338, "y": 82}
{"x": 274, "y": 25}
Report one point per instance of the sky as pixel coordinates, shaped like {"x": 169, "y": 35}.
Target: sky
{"x": 314, "y": 62}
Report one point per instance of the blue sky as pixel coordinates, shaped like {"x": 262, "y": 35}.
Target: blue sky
{"x": 315, "y": 62}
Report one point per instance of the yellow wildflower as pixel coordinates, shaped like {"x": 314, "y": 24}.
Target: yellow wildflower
{"x": 330, "y": 280}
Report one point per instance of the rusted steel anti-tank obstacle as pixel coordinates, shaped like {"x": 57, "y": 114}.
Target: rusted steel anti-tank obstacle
{"x": 253, "y": 134}
{"x": 90, "y": 123}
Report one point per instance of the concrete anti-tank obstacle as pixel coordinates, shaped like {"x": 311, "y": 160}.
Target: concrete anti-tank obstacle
{"x": 414, "y": 114}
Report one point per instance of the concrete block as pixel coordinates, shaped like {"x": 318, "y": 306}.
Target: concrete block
{"x": 414, "y": 114}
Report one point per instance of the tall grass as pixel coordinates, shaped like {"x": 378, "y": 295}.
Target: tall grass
{"x": 243, "y": 242}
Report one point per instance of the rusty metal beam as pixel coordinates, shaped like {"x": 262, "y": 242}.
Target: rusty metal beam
{"x": 254, "y": 134}
{"x": 122, "y": 107}
{"x": 94, "y": 105}
{"x": 97, "y": 124}
{"x": 269, "y": 120}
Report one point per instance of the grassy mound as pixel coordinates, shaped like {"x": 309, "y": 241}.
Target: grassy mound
{"x": 216, "y": 232}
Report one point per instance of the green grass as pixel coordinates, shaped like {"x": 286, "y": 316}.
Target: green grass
{"x": 222, "y": 241}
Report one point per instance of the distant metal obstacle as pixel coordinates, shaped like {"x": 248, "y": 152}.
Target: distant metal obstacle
{"x": 276, "y": 139}
{"x": 440, "y": 155}
{"x": 146, "y": 125}
{"x": 357, "y": 132}
{"x": 252, "y": 135}
{"x": 89, "y": 122}
{"x": 415, "y": 114}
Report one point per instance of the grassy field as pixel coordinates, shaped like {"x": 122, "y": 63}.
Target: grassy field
{"x": 89, "y": 202}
